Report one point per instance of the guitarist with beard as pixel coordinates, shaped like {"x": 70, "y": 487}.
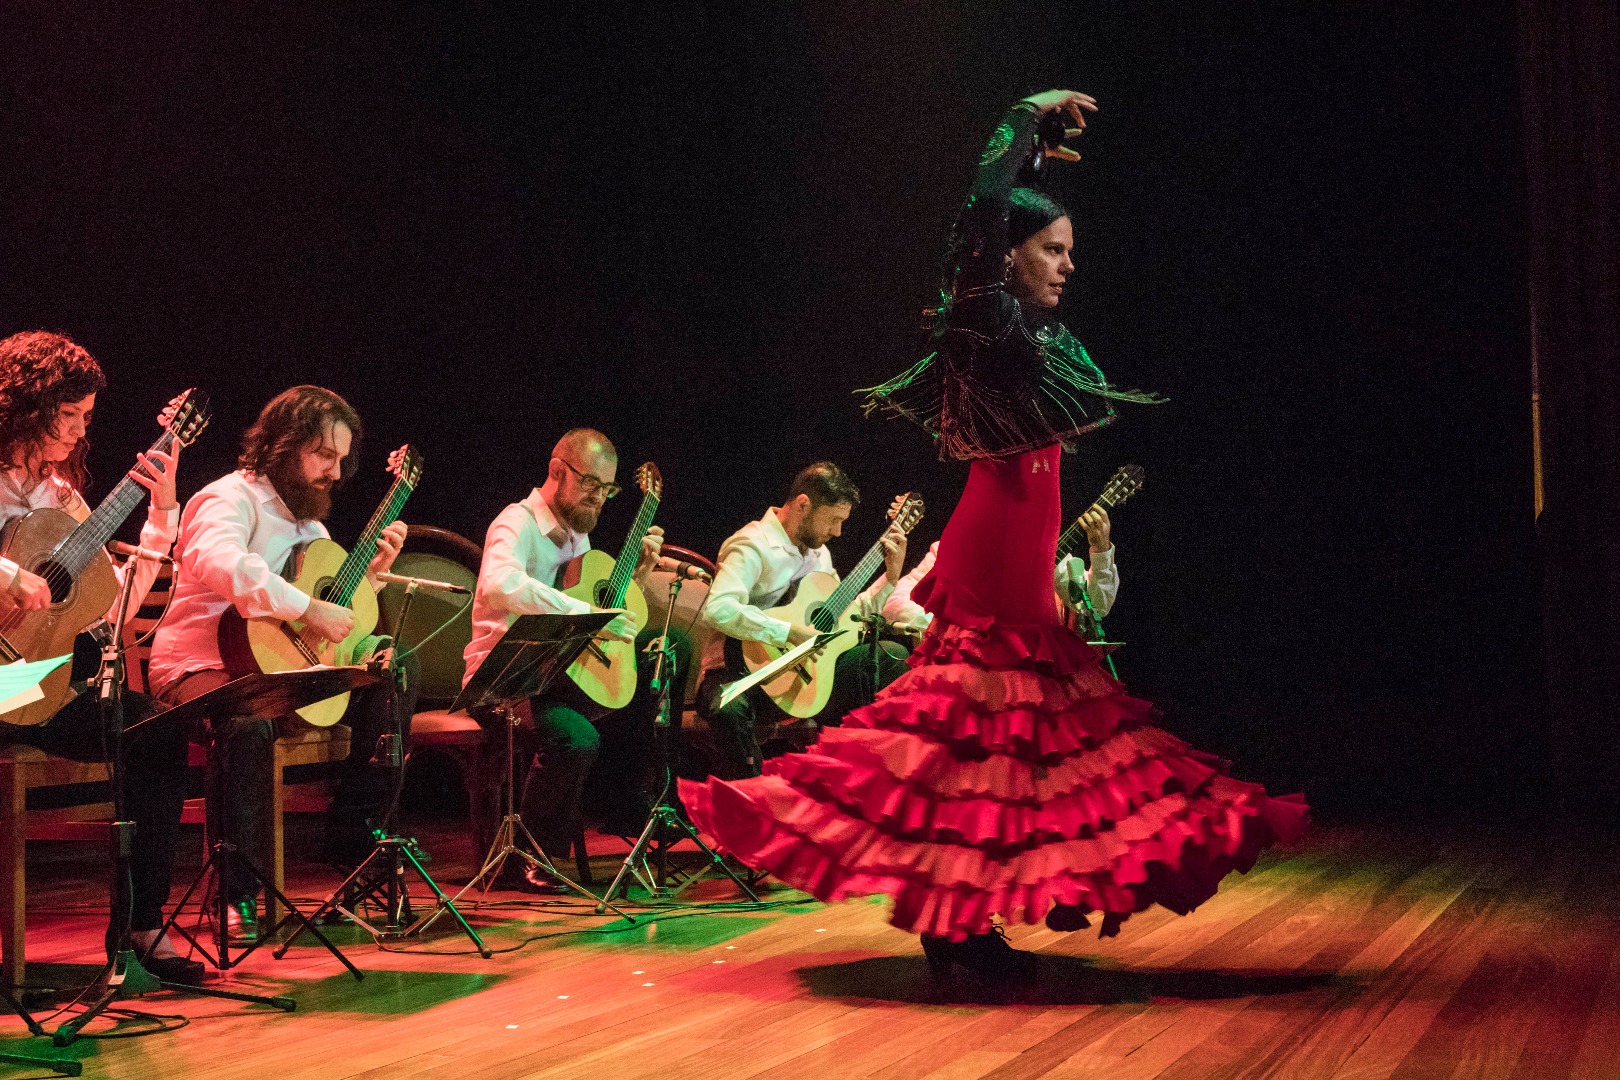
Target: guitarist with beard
{"x": 237, "y": 535}
{"x": 48, "y": 387}
{"x": 526, "y": 550}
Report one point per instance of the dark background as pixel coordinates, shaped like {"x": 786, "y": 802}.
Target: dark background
{"x": 699, "y": 227}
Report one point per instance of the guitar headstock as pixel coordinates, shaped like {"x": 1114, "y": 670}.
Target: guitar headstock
{"x": 650, "y": 481}
{"x": 906, "y": 510}
{"x": 406, "y": 465}
{"x": 1126, "y": 481}
{"x": 185, "y": 416}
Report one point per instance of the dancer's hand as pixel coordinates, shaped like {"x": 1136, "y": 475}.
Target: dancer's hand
{"x": 1075, "y": 105}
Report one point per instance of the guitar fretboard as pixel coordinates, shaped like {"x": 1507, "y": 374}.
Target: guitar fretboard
{"x": 354, "y": 567}
{"x": 76, "y": 550}
{"x": 624, "y": 566}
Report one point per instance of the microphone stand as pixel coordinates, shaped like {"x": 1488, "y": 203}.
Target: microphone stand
{"x": 381, "y": 876}
{"x": 123, "y": 976}
{"x": 665, "y": 814}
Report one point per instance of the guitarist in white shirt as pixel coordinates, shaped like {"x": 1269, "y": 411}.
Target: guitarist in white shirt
{"x": 759, "y": 566}
{"x": 525, "y": 550}
{"x": 48, "y": 387}
{"x": 236, "y": 536}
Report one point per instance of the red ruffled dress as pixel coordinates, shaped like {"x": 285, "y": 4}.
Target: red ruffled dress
{"x": 1006, "y": 772}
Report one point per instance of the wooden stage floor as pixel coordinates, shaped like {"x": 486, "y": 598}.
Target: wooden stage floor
{"x": 1363, "y": 953}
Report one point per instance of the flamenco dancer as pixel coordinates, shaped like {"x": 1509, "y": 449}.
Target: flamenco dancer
{"x": 1005, "y": 773}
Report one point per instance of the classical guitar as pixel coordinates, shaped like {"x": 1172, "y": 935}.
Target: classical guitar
{"x": 1126, "y": 481}
{"x": 323, "y": 570}
{"x": 822, "y": 601}
{"x": 72, "y": 557}
{"x": 606, "y": 670}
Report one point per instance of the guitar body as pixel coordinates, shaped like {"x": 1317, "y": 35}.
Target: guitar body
{"x": 803, "y": 691}
{"x": 265, "y": 645}
{"x": 30, "y": 541}
{"x": 606, "y": 670}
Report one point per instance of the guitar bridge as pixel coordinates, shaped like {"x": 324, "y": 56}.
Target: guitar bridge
{"x": 595, "y": 649}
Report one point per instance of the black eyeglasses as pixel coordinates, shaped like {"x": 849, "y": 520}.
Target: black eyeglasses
{"x": 592, "y": 484}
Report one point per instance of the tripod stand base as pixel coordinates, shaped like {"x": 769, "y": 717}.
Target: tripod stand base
{"x": 383, "y": 876}
{"x": 664, "y": 818}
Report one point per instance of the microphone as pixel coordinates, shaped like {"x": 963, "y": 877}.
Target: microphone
{"x": 425, "y": 583}
{"x": 680, "y": 569}
{"x": 130, "y": 551}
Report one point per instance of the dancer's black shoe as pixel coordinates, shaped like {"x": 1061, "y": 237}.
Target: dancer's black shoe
{"x": 988, "y": 957}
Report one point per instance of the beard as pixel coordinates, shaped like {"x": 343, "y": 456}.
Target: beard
{"x": 306, "y": 501}
{"x": 580, "y": 517}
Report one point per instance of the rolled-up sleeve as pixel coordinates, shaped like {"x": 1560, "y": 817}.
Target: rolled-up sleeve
{"x": 728, "y": 609}
{"x": 217, "y": 528}
{"x": 1101, "y": 581}
{"x": 504, "y": 583}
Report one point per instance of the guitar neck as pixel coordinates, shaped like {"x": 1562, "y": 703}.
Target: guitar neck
{"x": 359, "y": 559}
{"x": 625, "y": 565}
{"x": 92, "y": 534}
{"x": 849, "y": 588}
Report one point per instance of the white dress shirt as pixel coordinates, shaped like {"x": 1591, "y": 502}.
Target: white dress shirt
{"x": 54, "y": 493}
{"x": 236, "y": 540}
{"x": 1101, "y": 582}
{"x": 524, "y": 551}
{"x": 757, "y": 566}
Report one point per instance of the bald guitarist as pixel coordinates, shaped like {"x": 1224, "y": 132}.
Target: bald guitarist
{"x": 527, "y": 551}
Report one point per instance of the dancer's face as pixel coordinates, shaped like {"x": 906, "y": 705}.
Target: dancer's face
{"x": 1038, "y": 268}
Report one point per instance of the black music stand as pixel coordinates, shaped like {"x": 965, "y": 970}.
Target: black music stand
{"x": 533, "y": 653}
{"x": 264, "y": 695}
{"x": 666, "y": 816}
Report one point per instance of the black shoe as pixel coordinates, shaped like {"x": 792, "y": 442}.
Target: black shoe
{"x": 175, "y": 969}
{"x": 988, "y": 957}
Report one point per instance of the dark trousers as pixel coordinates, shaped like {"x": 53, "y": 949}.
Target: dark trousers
{"x": 591, "y": 765}
{"x": 154, "y": 792}
{"x": 736, "y": 726}
{"x": 241, "y": 768}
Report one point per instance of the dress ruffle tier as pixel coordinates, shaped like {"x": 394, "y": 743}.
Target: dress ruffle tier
{"x": 1004, "y": 773}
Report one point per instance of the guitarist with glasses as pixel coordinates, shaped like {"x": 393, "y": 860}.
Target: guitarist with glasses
{"x": 528, "y": 550}
{"x": 48, "y": 388}
{"x": 761, "y": 566}
{"x": 239, "y": 539}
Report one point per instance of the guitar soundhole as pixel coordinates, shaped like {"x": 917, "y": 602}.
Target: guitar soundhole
{"x": 57, "y": 576}
{"x": 324, "y": 590}
{"x": 813, "y": 618}
{"x": 601, "y": 594}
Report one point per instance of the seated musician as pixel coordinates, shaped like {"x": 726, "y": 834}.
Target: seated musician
{"x": 759, "y": 567}
{"x": 48, "y": 387}
{"x": 238, "y": 537}
{"x": 1078, "y": 585}
{"x": 525, "y": 551}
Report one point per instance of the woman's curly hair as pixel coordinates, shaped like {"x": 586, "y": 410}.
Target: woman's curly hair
{"x": 39, "y": 372}
{"x": 291, "y": 420}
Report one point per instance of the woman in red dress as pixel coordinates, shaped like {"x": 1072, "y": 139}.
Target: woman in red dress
{"x": 1006, "y": 773}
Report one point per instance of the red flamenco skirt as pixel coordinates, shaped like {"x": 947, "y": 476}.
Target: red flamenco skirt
{"x": 1006, "y": 772}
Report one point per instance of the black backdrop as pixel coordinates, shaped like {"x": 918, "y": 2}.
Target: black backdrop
{"x": 698, "y": 227}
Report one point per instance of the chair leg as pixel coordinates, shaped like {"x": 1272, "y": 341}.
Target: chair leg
{"x": 582, "y": 859}
{"x": 13, "y": 873}
{"x": 278, "y": 834}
